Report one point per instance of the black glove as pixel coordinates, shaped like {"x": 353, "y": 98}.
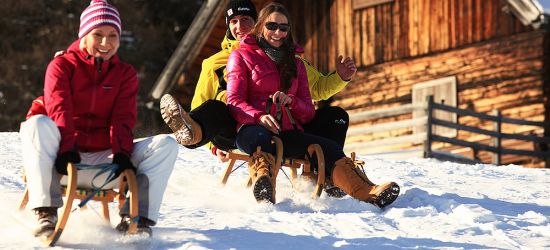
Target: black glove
{"x": 64, "y": 159}
{"x": 123, "y": 162}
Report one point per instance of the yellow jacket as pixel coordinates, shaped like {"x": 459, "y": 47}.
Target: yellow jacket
{"x": 209, "y": 86}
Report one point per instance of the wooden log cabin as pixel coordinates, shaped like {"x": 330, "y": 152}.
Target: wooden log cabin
{"x": 481, "y": 55}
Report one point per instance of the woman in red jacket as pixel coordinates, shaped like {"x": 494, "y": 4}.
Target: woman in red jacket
{"x": 264, "y": 71}
{"x": 87, "y": 115}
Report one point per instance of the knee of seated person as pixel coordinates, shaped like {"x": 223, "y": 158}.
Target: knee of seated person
{"x": 40, "y": 120}
{"x": 339, "y": 112}
{"x": 37, "y": 119}
{"x": 262, "y": 137}
{"x": 215, "y": 104}
{"x": 166, "y": 141}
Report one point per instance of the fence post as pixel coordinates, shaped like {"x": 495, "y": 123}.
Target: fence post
{"x": 497, "y": 141}
{"x": 428, "y": 142}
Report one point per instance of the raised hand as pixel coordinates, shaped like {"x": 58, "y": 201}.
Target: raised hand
{"x": 345, "y": 67}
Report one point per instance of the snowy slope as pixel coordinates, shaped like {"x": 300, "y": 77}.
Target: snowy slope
{"x": 443, "y": 205}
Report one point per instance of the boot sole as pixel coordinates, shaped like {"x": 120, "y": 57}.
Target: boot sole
{"x": 263, "y": 189}
{"x": 44, "y": 232}
{"x": 175, "y": 117}
{"x": 335, "y": 192}
{"x": 171, "y": 113}
{"x": 387, "y": 196}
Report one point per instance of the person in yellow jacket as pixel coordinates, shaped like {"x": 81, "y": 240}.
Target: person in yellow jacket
{"x": 210, "y": 120}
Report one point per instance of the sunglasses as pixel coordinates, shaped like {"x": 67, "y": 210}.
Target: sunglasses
{"x": 283, "y": 27}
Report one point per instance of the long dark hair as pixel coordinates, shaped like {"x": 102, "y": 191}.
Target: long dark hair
{"x": 287, "y": 67}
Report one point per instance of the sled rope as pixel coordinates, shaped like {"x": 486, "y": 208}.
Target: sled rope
{"x": 288, "y": 178}
{"x": 238, "y": 167}
{"x": 360, "y": 163}
{"x": 105, "y": 167}
{"x": 279, "y": 112}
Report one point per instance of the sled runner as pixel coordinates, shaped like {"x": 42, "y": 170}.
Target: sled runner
{"x": 127, "y": 182}
{"x": 293, "y": 164}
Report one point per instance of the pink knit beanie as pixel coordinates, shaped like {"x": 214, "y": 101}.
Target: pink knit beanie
{"x": 100, "y": 12}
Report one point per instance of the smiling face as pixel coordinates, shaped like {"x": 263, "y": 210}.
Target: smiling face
{"x": 240, "y": 26}
{"x": 102, "y": 41}
{"x": 275, "y": 37}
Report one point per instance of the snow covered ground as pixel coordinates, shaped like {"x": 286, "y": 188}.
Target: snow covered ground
{"x": 442, "y": 206}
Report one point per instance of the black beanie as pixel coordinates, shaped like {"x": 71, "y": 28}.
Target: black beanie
{"x": 240, "y": 7}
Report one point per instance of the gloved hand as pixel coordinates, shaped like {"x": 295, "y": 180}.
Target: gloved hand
{"x": 64, "y": 159}
{"x": 123, "y": 162}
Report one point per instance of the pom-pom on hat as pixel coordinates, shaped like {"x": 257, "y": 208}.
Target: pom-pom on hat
{"x": 240, "y": 7}
{"x": 99, "y": 13}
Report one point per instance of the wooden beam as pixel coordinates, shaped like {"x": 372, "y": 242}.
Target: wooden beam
{"x": 189, "y": 46}
{"x": 384, "y": 127}
{"x": 360, "y": 4}
{"x": 405, "y": 139}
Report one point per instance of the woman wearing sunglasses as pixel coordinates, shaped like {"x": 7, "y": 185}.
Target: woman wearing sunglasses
{"x": 266, "y": 70}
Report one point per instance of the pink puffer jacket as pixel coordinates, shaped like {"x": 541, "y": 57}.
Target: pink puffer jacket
{"x": 252, "y": 77}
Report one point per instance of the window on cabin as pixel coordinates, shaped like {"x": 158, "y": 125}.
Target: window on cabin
{"x": 361, "y": 4}
{"x": 444, "y": 91}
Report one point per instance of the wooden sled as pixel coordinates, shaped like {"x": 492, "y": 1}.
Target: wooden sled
{"x": 127, "y": 181}
{"x": 293, "y": 164}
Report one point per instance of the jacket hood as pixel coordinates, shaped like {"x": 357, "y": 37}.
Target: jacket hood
{"x": 228, "y": 45}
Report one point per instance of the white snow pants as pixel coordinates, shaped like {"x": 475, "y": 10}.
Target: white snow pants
{"x": 154, "y": 158}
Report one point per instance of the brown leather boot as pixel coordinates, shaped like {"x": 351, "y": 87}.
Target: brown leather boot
{"x": 261, "y": 168}
{"x": 186, "y": 130}
{"x": 347, "y": 176}
{"x": 328, "y": 188}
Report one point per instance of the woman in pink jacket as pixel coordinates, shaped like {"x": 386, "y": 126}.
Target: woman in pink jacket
{"x": 87, "y": 116}
{"x": 264, "y": 75}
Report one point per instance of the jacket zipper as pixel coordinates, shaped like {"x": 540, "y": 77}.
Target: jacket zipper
{"x": 98, "y": 61}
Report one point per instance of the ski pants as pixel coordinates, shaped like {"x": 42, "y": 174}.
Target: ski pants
{"x": 154, "y": 158}
{"x": 219, "y": 127}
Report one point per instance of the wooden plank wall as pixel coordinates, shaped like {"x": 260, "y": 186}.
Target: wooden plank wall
{"x": 396, "y": 30}
{"x": 399, "y": 44}
{"x": 382, "y": 33}
{"x": 503, "y": 74}
{"x": 312, "y": 29}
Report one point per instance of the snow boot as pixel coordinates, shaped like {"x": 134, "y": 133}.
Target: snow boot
{"x": 349, "y": 177}
{"x": 329, "y": 188}
{"x": 333, "y": 191}
{"x": 47, "y": 218}
{"x": 143, "y": 226}
{"x": 186, "y": 130}
{"x": 261, "y": 168}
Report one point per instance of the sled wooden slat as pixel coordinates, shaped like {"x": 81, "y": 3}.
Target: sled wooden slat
{"x": 70, "y": 193}
{"x": 127, "y": 181}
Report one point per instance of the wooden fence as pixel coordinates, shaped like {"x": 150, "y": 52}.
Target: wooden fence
{"x": 496, "y": 135}
{"x": 428, "y": 138}
{"x": 417, "y": 138}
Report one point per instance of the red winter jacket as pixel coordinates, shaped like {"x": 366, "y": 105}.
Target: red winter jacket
{"x": 37, "y": 108}
{"x": 252, "y": 76}
{"x": 93, "y": 104}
